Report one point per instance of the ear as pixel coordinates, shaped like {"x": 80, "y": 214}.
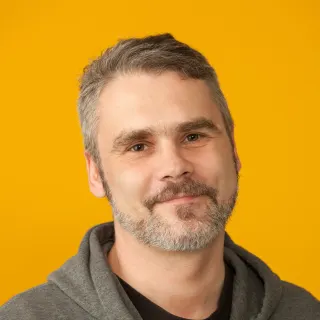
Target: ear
{"x": 95, "y": 183}
{"x": 236, "y": 155}
{"x": 238, "y": 162}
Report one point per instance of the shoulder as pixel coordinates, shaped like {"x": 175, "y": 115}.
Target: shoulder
{"x": 45, "y": 302}
{"x": 297, "y": 304}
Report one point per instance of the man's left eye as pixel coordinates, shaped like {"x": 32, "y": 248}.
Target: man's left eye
{"x": 193, "y": 137}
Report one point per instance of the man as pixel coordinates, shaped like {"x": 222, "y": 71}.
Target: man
{"x": 159, "y": 144}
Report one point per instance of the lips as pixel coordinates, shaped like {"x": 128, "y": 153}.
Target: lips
{"x": 181, "y": 197}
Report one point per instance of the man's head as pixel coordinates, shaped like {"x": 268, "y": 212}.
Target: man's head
{"x": 156, "y": 126}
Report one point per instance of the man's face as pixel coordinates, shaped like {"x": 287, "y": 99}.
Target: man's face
{"x": 161, "y": 137}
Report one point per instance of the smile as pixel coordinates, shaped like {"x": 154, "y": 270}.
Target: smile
{"x": 182, "y": 199}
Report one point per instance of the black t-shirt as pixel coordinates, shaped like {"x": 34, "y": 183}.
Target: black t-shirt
{"x": 148, "y": 310}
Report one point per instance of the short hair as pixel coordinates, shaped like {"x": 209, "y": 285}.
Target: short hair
{"x": 153, "y": 54}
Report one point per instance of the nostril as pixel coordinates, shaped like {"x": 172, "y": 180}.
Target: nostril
{"x": 185, "y": 173}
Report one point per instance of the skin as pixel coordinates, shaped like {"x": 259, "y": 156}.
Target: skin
{"x": 177, "y": 269}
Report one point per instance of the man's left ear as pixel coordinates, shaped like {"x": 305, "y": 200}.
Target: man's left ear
{"x": 238, "y": 162}
{"x": 236, "y": 155}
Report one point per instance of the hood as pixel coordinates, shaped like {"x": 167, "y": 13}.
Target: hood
{"x": 88, "y": 280}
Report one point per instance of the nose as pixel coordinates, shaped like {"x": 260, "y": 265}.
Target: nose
{"x": 173, "y": 164}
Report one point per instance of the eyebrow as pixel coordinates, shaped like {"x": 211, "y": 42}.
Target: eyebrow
{"x": 125, "y": 137}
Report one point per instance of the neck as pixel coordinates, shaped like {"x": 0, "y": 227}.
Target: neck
{"x": 186, "y": 284}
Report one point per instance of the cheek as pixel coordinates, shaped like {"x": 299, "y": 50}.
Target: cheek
{"x": 218, "y": 169}
{"x": 227, "y": 179}
{"x": 128, "y": 184}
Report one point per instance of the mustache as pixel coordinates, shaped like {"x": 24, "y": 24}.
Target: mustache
{"x": 187, "y": 186}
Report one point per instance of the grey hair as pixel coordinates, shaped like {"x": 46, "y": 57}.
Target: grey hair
{"x": 154, "y": 54}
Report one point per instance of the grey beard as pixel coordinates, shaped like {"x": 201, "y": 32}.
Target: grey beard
{"x": 197, "y": 233}
{"x": 194, "y": 233}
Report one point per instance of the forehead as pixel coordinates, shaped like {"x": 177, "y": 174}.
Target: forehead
{"x": 137, "y": 101}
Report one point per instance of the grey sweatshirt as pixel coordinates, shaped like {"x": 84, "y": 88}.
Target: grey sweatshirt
{"x": 85, "y": 288}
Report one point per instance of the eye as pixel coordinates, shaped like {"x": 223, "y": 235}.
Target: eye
{"x": 137, "y": 147}
{"x": 194, "y": 137}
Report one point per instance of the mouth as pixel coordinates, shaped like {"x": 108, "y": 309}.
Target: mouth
{"x": 181, "y": 199}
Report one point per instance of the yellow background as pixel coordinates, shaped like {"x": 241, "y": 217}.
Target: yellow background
{"x": 266, "y": 54}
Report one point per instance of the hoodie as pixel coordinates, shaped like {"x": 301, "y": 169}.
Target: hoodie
{"x": 85, "y": 288}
